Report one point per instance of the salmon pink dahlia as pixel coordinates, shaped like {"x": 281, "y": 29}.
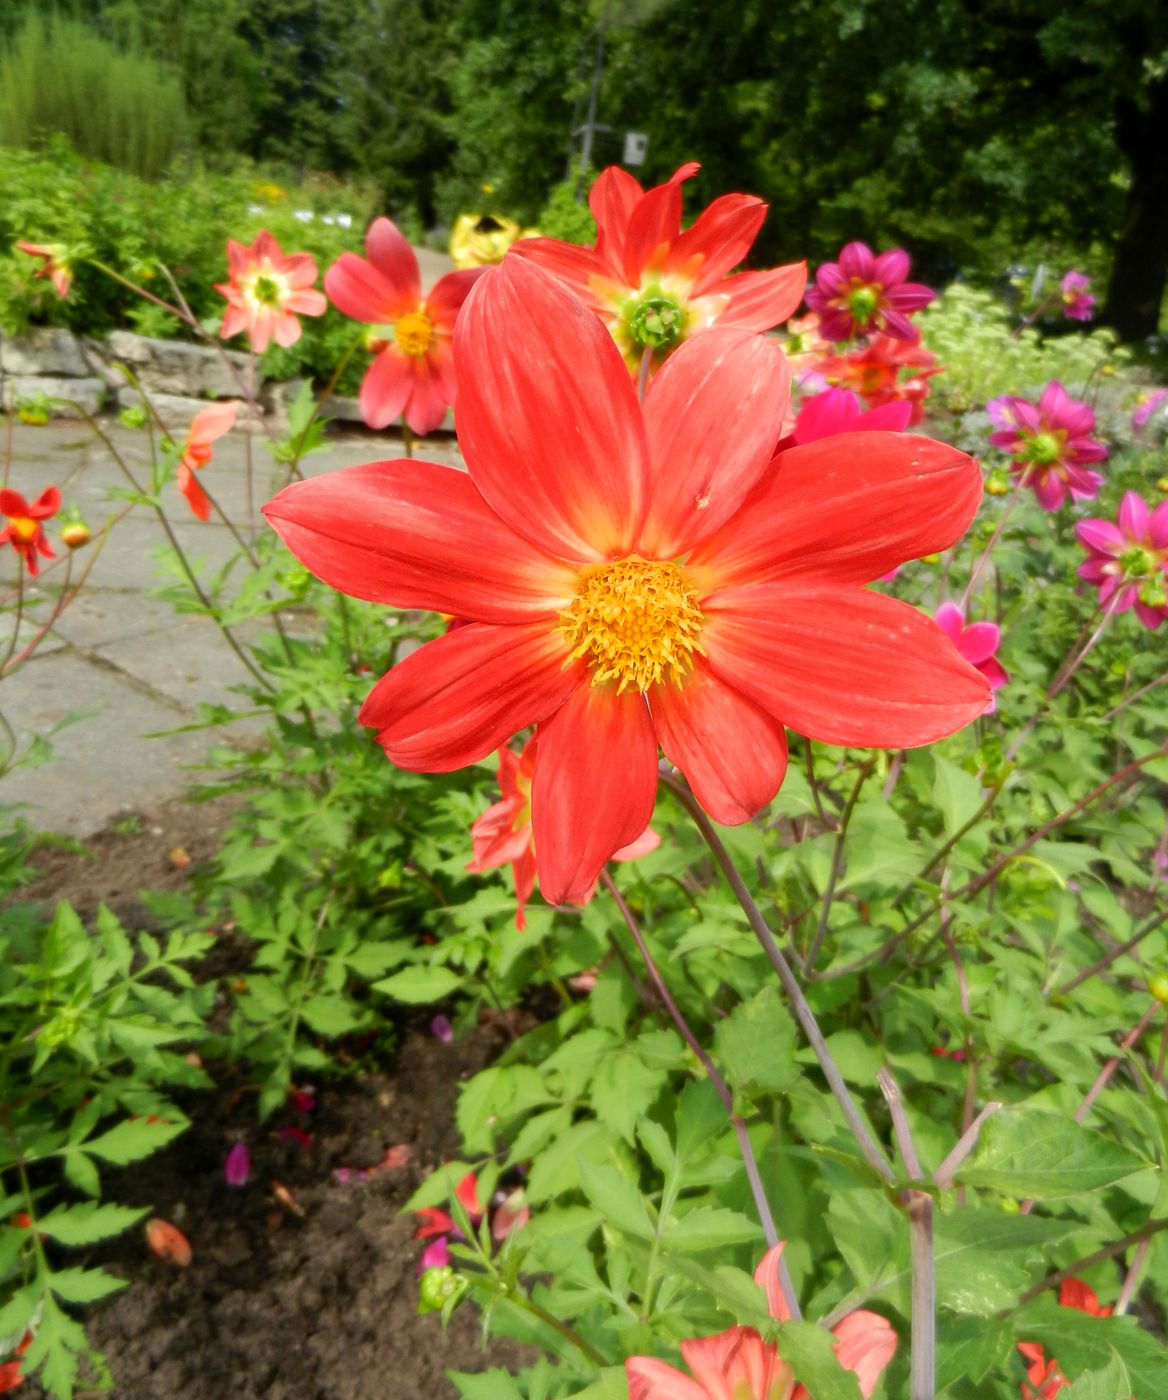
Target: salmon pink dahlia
{"x": 266, "y": 290}
{"x": 655, "y": 286}
{"x": 207, "y": 426}
{"x": 738, "y": 1365}
{"x": 412, "y": 373}
{"x": 635, "y": 576}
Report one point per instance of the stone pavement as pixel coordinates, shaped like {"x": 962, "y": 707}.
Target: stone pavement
{"x": 119, "y": 665}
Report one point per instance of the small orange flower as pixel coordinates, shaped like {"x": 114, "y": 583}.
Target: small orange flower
{"x": 22, "y": 525}
{"x": 55, "y": 264}
{"x": 266, "y": 291}
{"x": 207, "y": 426}
{"x": 1044, "y": 1379}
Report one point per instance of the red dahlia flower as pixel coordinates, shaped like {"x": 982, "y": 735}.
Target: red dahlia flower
{"x": 884, "y": 371}
{"x": 266, "y": 291}
{"x": 635, "y": 576}
{"x": 55, "y": 264}
{"x": 503, "y": 833}
{"x": 864, "y": 292}
{"x": 1129, "y": 559}
{"x": 413, "y": 369}
{"x": 1044, "y": 1379}
{"x": 207, "y": 426}
{"x": 978, "y": 642}
{"x": 738, "y": 1365}
{"x": 655, "y": 286}
{"x": 22, "y": 525}
{"x": 1051, "y": 444}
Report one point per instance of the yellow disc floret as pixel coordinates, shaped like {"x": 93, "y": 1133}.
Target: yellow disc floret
{"x": 636, "y": 621}
{"x": 413, "y": 333}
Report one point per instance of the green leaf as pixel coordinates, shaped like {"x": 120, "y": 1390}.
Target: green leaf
{"x": 420, "y": 984}
{"x": 710, "y": 1227}
{"x": 1112, "y": 1383}
{"x": 135, "y": 1138}
{"x": 810, "y": 1351}
{"x": 81, "y": 1173}
{"x": 1024, "y": 1152}
{"x": 612, "y": 1385}
{"x": 89, "y": 1222}
{"x": 84, "y": 1285}
{"x": 490, "y": 1385}
{"x": 957, "y": 793}
{"x": 756, "y": 1043}
{"x": 968, "y": 1348}
{"x": 622, "y": 1089}
{"x": 617, "y": 1199}
{"x": 331, "y": 1016}
{"x": 701, "y": 1117}
{"x": 1082, "y": 1343}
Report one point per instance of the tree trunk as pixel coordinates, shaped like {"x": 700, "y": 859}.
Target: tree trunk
{"x": 1139, "y": 274}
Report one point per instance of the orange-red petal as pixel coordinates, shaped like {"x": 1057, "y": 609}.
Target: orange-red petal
{"x": 548, "y": 418}
{"x": 417, "y": 535}
{"x": 733, "y": 754}
{"x": 464, "y": 694}
{"x": 595, "y": 785}
{"x": 760, "y": 300}
{"x": 843, "y": 665}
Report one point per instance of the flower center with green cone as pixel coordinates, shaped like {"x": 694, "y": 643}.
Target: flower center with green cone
{"x": 655, "y": 321}
{"x": 413, "y": 332}
{"x": 863, "y": 301}
{"x": 1043, "y": 449}
{"x": 267, "y": 290}
{"x": 1137, "y": 562}
{"x": 635, "y": 621}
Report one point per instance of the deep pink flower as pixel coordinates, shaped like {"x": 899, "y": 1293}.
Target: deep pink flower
{"x": 1128, "y": 559}
{"x": 885, "y": 370}
{"x": 1078, "y": 303}
{"x": 655, "y": 286}
{"x": 266, "y": 290}
{"x": 503, "y": 834}
{"x": 1146, "y": 406}
{"x": 237, "y": 1167}
{"x": 865, "y": 292}
{"x": 441, "y": 1029}
{"x": 1051, "y": 444}
{"x": 738, "y": 1365}
{"x": 412, "y": 373}
{"x": 978, "y": 642}
{"x": 23, "y": 529}
{"x": 838, "y": 411}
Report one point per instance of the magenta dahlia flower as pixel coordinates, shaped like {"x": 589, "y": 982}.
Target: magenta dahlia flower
{"x": 978, "y": 643}
{"x": 1145, "y": 409}
{"x": 1128, "y": 559}
{"x": 866, "y": 292}
{"x": 1078, "y": 303}
{"x": 1051, "y": 444}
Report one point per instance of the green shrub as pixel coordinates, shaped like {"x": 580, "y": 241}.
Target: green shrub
{"x": 119, "y": 106}
{"x": 565, "y": 217}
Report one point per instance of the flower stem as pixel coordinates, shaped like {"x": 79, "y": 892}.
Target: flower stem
{"x": 720, "y": 1087}
{"x": 984, "y": 557}
{"x": 837, "y": 865}
{"x": 803, "y": 1013}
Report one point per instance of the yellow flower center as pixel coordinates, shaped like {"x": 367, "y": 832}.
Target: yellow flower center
{"x": 413, "y": 332}
{"x": 636, "y": 621}
{"x": 22, "y": 527}
{"x": 267, "y": 289}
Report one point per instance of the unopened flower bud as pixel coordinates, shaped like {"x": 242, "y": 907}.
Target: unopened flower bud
{"x": 1158, "y": 986}
{"x": 76, "y": 534}
{"x": 439, "y": 1288}
{"x": 997, "y": 483}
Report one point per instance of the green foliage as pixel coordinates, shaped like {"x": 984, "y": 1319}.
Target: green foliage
{"x": 122, "y": 107}
{"x": 566, "y": 216}
{"x": 93, "y": 1028}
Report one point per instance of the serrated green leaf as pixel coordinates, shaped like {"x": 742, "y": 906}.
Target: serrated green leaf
{"x": 617, "y": 1199}
{"x": 88, "y": 1222}
{"x": 1111, "y": 1383}
{"x": 711, "y": 1227}
{"x": 968, "y": 1348}
{"x": 331, "y": 1016}
{"x": 84, "y": 1285}
{"x": 1026, "y": 1153}
{"x": 613, "y": 1384}
{"x": 81, "y": 1173}
{"x": 1082, "y": 1344}
{"x": 622, "y": 1090}
{"x": 420, "y": 984}
{"x": 756, "y": 1043}
{"x": 135, "y": 1138}
{"x": 489, "y": 1385}
{"x": 810, "y": 1351}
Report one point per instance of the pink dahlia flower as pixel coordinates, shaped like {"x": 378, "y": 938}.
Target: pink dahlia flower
{"x": 266, "y": 291}
{"x": 1128, "y": 559}
{"x": 1078, "y": 303}
{"x": 1051, "y": 444}
{"x": 55, "y": 264}
{"x": 1146, "y": 406}
{"x": 838, "y": 411}
{"x": 886, "y": 370}
{"x": 738, "y": 1365}
{"x": 866, "y": 292}
{"x": 978, "y": 642}
{"x": 412, "y": 373}
{"x": 653, "y": 285}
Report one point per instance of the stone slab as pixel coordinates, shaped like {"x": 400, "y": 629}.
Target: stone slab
{"x": 176, "y": 367}
{"x": 177, "y": 410}
{"x": 44, "y": 350}
{"x": 89, "y": 392}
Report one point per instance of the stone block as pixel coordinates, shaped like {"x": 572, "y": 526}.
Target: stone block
{"x": 175, "y": 367}
{"x": 22, "y": 388}
{"x": 46, "y": 350}
{"x": 177, "y": 410}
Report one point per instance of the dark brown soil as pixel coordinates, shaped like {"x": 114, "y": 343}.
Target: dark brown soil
{"x": 318, "y": 1306}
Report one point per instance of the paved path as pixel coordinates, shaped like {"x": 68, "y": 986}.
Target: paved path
{"x": 119, "y": 665}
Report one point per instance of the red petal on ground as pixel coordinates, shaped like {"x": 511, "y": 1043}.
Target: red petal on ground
{"x": 713, "y": 415}
{"x": 843, "y": 665}
{"x": 461, "y": 696}
{"x": 595, "y": 785}
{"x": 733, "y": 755}
{"x": 548, "y": 418}
{"x": 416, "y": 535}
{"x": 168, "y": 1242}
{"x": 846, "y": 509}
{"x": 721, "y": 235}
{"x": 760, "y": 300}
